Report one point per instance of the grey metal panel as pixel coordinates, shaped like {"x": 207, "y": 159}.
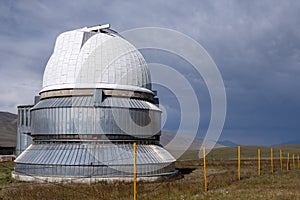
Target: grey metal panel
{"x": 23, "y": 129}
{"x": 93, "y": 171}
{"x": 107, "y": 154}
{"x": 87, "y": 101}
{"x": 93, "y": 120}
{"x": 78, "y": 115}
{"x": 86, "y": 120}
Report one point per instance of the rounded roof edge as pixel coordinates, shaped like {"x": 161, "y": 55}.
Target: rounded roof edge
{"x": 96, "y": 85}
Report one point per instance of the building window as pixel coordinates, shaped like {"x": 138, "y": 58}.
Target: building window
{"x": 22, "y": 117}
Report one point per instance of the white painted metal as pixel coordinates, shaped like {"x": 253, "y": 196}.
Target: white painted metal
{"x": 101, "y": 61}
{"x": 96, "y": 28}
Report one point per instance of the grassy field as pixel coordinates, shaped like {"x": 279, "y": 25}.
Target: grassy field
{"x": 247, "y": 152}
{"x": 222, "y": 183}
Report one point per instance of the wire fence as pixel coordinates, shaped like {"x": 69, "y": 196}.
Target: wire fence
{"x": 194, "y": 177}
{"x": 270, "y": 163}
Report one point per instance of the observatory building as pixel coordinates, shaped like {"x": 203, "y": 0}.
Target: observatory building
{"x": 96, "y": 101}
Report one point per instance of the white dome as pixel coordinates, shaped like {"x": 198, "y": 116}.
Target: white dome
{"x": 95, "y": 60}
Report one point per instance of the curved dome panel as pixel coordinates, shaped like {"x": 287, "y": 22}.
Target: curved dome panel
{"x": 95, "y": 60}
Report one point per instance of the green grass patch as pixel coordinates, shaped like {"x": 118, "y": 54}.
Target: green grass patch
{"x": 5, "y": 172}
{"x": 247, "y": 152}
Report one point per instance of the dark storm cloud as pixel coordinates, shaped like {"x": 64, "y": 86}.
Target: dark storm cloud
{"x": 256, "y": 45}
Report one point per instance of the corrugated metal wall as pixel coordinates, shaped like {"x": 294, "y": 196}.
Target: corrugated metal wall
{"x": 84, "y": 160}
{"x": 70, "y": 117}
{"x": 24, "y": 121}
{"x": 78, "y": 115}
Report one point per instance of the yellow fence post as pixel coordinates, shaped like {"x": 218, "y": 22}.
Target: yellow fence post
{"x": 134, "y": 171}
{"x": 288, "y": 162}
{"x": 280, "y": 155}
{"x": 239, "y": 162}
{"x": 294, "y": 167}
{"x": 272, "y": 163}
{"x": 204, "y": 169}
{"x": 258, "y": 161}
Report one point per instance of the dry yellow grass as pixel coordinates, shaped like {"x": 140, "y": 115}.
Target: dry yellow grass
{"x": 222, "y": 184}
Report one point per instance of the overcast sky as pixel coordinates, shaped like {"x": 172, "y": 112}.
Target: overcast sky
{"x": 255, "y": 44}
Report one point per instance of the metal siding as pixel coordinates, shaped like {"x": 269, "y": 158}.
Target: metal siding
{"x": 81, "y": 120}
{"x": 23, "y": 129}
{"x": 72, "y": 115}
{"x": 87, "y": 101}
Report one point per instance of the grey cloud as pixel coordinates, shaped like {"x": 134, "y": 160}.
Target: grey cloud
{"x": 256, "y": 45}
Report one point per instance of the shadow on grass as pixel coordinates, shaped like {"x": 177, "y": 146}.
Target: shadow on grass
{"x": 184, "y": 171}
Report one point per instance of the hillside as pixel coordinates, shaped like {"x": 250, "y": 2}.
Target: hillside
{"x": 247, "y": 152}
{"x": 8, "y": 129}
{"x": 182, "y": 141}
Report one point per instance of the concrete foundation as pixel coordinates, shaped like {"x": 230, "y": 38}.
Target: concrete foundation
{"x": 88, "y": 180}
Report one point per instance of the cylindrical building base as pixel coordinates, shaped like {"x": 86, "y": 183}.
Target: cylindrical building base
{"x": 92, "y": 162}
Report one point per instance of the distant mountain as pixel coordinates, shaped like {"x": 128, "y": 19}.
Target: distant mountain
{"x": 228, "y": 143}
{"x": 288, "y": 142}
{"x": 8, "y": 129}
{"x": 183, "y": 142}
